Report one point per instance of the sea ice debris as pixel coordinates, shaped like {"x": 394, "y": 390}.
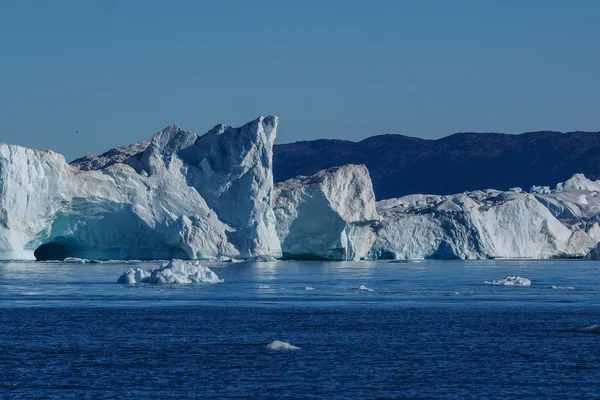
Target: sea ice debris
{"x": 174, "y": 271}
{"x": 279, "y": 345}
{"x": 509, "y": 281}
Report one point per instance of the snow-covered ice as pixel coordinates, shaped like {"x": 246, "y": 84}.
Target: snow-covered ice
{"x": 174, "y": 271}
{"x": 509, "y": 281}
{"x": 279, "y": 345}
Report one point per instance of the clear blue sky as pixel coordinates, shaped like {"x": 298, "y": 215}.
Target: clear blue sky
{"x": 118, "y": 71}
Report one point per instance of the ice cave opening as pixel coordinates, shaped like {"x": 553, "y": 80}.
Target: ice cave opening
{"x": 51, "y": 251}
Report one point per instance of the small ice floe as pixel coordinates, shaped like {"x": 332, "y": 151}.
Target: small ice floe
{"x": 562, "y": 287}
{"x": 309, "y": 288}
{"x": 418, "y": 269}
{"x": 75, "y": 260}
{"x": 404, "y": 261}
{"x": 364, "y": 288}
{"x": 264, "y": 287}
{"x": 510, "y": 281}
{"x": 263, "y": 258}
{"x": 174, "y": 271}
{"x": 452, "y": 294}
{"x": 228, "y": 259}
{"x": 591, "y": 329}
{"x": 277, "y": 345}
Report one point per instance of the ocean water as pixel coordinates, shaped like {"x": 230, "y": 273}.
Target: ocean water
{"x": 428, "y": 329}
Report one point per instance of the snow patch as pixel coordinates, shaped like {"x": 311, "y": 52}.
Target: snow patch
{"x": 174, "y": 271}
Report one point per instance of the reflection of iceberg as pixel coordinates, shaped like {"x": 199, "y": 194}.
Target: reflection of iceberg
{"x": 174, "y": 271}
{"x": 510, "y": 281}
{"x": 279, "y": 345}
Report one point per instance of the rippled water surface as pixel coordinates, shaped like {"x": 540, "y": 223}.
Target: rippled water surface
{"x": 428, "y": 329}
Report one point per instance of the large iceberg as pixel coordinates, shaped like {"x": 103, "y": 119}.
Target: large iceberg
{"x": 560, "y": 222}
{"x": 326, "y": 215}
{"x": 178, "y": 196}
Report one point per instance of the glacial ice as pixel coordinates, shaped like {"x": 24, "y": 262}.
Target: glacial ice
{"x": 509, "y": 281}
{"x": 327, "y": 215}
{"x": 545, "y": 223}
{"x": 277, "y": 345}
{"x": 212, "y": 197}
{"x": 174, "y": 271}
{"x": 178, "y": 196}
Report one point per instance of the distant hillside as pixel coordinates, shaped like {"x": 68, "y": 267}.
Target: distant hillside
{"x": 401, "y": 165}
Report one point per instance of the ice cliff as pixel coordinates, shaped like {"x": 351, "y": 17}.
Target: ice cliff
{"x": 186, "y": 196}
{"x": 560, "y": 222}
{"x": 179, "y": 196}
{"x": 326, "y": 215}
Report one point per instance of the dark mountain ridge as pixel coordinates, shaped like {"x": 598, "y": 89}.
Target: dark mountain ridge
{"x": 401, "y": 165}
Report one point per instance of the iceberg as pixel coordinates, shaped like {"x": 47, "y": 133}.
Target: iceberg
{"x": 472, "y": 225}
{"x": 327, "y": 215}
{"x": 509, "y": 281}
{"x": 174, "y": 271}
{"x": 178, "y": 196}
{"x": 545, "y": 223}
{"x": 363, "y": 288}
{"x": 277, "y": 345}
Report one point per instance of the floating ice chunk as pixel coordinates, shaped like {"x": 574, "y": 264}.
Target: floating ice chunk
{"x": 364, "y": 288}
{"x": 264, "y": 287}
{"x": 591, "y": 329}
{"x": 279, "y": 345}
{"x": 562, "y": 287}
{"x": 510, "y": 281}
{"x": 174, "y": 271}
{"x": 264, "y": 258}
{"x": 75, "y": 260}
{"x": 229, "y": 259}
{"x": 309, "y": 288}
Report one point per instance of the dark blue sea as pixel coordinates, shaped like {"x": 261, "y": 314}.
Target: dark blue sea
{"x": 426, "y": 330}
